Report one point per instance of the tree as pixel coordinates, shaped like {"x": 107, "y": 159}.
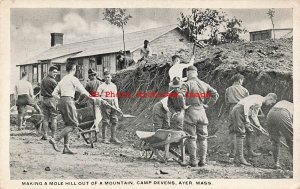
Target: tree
{"x": 232, "y": 31}
{"x": 271, "y": 13}
{"x": 119, "y": 18}
{"x": 199, "y": 21}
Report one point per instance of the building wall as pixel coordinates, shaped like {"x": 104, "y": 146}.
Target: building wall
{"x": 167, "y": 43}
{"x": 281, "y": 33}
{"x": 260, "y": 35}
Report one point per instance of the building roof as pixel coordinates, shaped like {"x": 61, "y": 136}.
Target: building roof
{"x": 104, "y": 45}
{"x": 272, "y": 29}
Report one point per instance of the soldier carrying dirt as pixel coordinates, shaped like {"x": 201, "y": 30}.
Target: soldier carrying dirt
{"x": 195, "y": 120}
{"x": 280, "y": 122}
{"x": 233, "y": 95}
{"x": 241, "y": 126}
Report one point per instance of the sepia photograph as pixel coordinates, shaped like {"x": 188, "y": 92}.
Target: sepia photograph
{"x": 150, "y": 96}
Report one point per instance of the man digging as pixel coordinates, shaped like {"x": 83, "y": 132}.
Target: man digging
{"x": 280, "y": 123}
{"x": 240, "y": 123}
{"x": 108, "y": 92}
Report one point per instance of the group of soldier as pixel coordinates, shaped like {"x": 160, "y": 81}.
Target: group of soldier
{"x": 188, "y": 114}
{"x": 178, "y": 112}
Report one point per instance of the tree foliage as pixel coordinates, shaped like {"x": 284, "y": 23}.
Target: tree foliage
{"x": 232, "y": 32}
{"x": 210, "y": 21}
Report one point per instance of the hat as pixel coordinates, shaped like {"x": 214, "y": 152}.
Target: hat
{"x": 106, "y": 73}
{"x": 192, "y": 68}
{"x": 175, "y": 56}
{"x": 91, "y": 72}
{"x": 176, "y": 82}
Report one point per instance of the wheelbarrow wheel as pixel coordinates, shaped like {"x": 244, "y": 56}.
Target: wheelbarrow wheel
{"x": 144, "y": 151}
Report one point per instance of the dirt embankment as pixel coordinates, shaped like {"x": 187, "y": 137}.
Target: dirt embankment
{"x": 266, "y": 65}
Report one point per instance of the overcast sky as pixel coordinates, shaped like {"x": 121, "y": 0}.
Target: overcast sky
{"x": 31, "y": 28}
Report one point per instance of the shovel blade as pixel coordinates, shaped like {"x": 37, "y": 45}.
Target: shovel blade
{"x": 128, "y": 116}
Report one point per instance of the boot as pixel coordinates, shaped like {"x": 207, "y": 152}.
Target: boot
{"x": 249, "y": 143}
{"x": 192, "y": 149}
{"x": 45, "y": 130}
{"x": 239, "y": 153}
{"x": 67, "y": 150}
{"x": 202, "y": 152}
{"x": 53, "y": 127}
{"x": 232, "y": 145}
{"x": 275, "y": 150}
{"x": 104, "y": 140}
{"x": 113, "y": 138}
{"x": 54, "y": 144}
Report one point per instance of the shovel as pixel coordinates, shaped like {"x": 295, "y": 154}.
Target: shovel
{"x": 120, "y": 111}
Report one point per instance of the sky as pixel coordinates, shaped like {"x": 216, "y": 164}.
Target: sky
{"x": 30, "y": 28}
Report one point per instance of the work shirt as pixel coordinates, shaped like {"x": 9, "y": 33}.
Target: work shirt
{"x": 177, "y": 70}
{"x": 92, "y": 86}
{"x": 235, "y": 93}
{"x": 176, "y": 103}
{"x": 252, "y": 104}
{"x": 285, "y": 105}
{"x": 108, "y": 92}
{"x": 23, "y": 87}
{"x": 67, "y": 87}
{"x": 195, "y": 87}
{"x": 47, "y": 86}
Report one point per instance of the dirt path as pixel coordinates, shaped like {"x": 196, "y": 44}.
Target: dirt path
{"x": 29, "y": 156}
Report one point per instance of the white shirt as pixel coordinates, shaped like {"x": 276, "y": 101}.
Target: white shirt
{"x": 108, "y": 91}
{"x": 177, "y": 70}
{"x": 67, "y": 87}
{"x": 23, "y": 87}
{"x": 252, "y": 104}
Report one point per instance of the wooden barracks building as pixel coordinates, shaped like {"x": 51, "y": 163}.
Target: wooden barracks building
{"x": 101, "y": 53}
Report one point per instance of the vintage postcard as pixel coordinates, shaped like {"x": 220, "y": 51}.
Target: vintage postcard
{"x": 149, "y": 94}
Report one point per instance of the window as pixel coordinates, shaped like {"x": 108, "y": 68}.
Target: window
{"x": 22, "y": 69}
{"x": 44, "y": 70}
{"x": 92, "y": 63}
{"x": 79, "y": 69}
{"x": 99, "y": 67}
{"x": 34, "y": 73}
{"x": 106, "y": 62}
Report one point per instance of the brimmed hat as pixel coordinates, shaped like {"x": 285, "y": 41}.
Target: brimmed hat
{"x": 176, "y": 82}
{"x": 91, "y": 72}
{"x": 192, "y": 68}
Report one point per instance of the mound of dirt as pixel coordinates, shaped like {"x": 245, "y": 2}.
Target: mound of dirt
{"x": 267, "y": 66}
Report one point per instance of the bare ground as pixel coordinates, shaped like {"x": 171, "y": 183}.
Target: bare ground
{"x": 29, "y": 156}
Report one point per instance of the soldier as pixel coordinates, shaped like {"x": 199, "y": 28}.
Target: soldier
{"x": 233, "y": 95}
{"x": 161, "y": 115}
{"x": 49, "y": 103}
{"x": 280, "y": 123}
{"x": 240, "y": 122}
{"x": 65, "y": 91}
{"x": 108, "y": 92}
{"x": 176, "y": 104}
{"x": 93, "y": 83}
{"x": 195, "y": 120}
{"x": 177, "y": 68}
{"x": 24, "y": 96}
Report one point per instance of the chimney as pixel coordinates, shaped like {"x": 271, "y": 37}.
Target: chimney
{"x": 56, "y": 39}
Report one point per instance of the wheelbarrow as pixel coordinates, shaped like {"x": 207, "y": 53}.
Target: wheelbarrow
{"x": 167, "y": 141}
